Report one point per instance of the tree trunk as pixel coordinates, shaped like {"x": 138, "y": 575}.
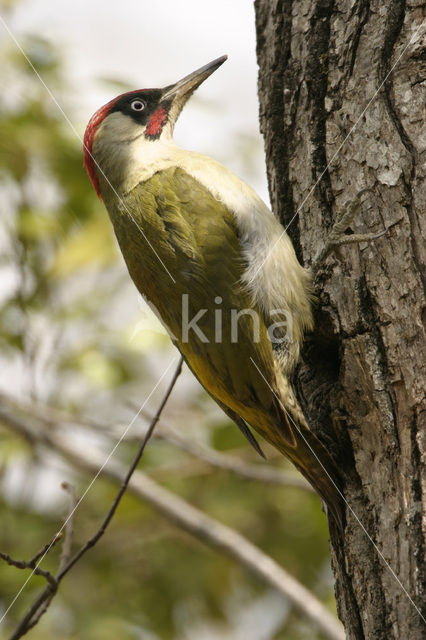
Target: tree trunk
{"x": 361, "y": 382}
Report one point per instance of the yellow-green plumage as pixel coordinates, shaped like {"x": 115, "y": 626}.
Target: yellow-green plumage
{"x": 194, "y": 234}
{"x": 199, "y": 246}
{"x": 197, "y": 241}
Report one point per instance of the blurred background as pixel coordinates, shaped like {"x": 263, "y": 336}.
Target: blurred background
{"x": 80, "y": 351}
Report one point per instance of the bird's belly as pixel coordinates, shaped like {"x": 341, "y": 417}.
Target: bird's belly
{"x": 188, "y": 264}
{"x": 216, "y": 340}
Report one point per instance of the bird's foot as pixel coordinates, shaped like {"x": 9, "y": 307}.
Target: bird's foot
{"x": 337, "y": 236}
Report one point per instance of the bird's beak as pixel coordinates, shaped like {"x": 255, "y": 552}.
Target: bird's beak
{"x": 188, "y": 84}
{"x": 182, "y": 90}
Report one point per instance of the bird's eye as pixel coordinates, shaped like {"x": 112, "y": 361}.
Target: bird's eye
{"x": 137, "y": 105}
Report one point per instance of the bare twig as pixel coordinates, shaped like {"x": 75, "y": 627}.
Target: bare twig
{"x": 216, "y": 535}
{"x": 230, "y": 463}
{"x": 52, "y": 583}
{"x": 38, "y": 609}
{"x": 196, "y": 523}
{"x": 69, "y": 526}
{"x": 41, "y": 604}
{"x": 100, "y": 532}
{"x": 32, "y": 564}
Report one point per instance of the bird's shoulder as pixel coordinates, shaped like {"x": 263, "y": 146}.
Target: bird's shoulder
{"x": 185, "y": 210}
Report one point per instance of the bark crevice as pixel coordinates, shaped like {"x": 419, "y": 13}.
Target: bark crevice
{"x": 317, "y": 82}
{"x": 363, "y": 10}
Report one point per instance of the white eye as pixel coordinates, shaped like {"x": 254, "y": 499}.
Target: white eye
{"x": 137, "y": 105}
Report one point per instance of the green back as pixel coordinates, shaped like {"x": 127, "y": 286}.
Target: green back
{"x": 170, "y": 224}
{"x": 196, "y": 239}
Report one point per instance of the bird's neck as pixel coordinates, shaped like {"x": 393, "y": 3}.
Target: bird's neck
{"x": 120, "y": 166}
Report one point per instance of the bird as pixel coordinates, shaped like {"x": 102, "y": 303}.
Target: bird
{"x": 215, "y": 264}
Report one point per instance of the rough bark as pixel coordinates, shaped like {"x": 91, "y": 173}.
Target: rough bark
{"x": 362, "y": 378}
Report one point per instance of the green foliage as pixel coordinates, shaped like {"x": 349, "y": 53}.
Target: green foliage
{"x": 67, "y": 314}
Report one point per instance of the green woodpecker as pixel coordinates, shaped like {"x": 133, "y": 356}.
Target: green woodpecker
{"x": 210, "y": 257}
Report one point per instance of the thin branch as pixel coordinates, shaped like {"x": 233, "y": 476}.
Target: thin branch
{"x": 100, "y": 532}
{"x": 41, "y": 604}
{"x": 34, "y": 613}
{"x": 232, "y": 464}
{"x": 32, "y": 564}
{"x": 39, "y": 608}
{"x": 227, "y": 462}
{"x": 217, "y": 535}
{"x": 195, "y": 522}
{"x": 51, "y": 588}
{"x": 69, "y": 526}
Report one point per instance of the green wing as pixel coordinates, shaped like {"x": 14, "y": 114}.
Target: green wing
{"x": 179, "y": 244}
{"x": 170, "y": 224}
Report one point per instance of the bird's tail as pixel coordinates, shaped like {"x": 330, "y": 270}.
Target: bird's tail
{"x": 297, "y": 442}
{"x": 312, "y": 459}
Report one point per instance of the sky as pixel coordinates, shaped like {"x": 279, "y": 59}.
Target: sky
{"x": 151, "y": 44}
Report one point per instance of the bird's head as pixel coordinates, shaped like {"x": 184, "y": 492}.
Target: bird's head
{"x": 151, "y": 113}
